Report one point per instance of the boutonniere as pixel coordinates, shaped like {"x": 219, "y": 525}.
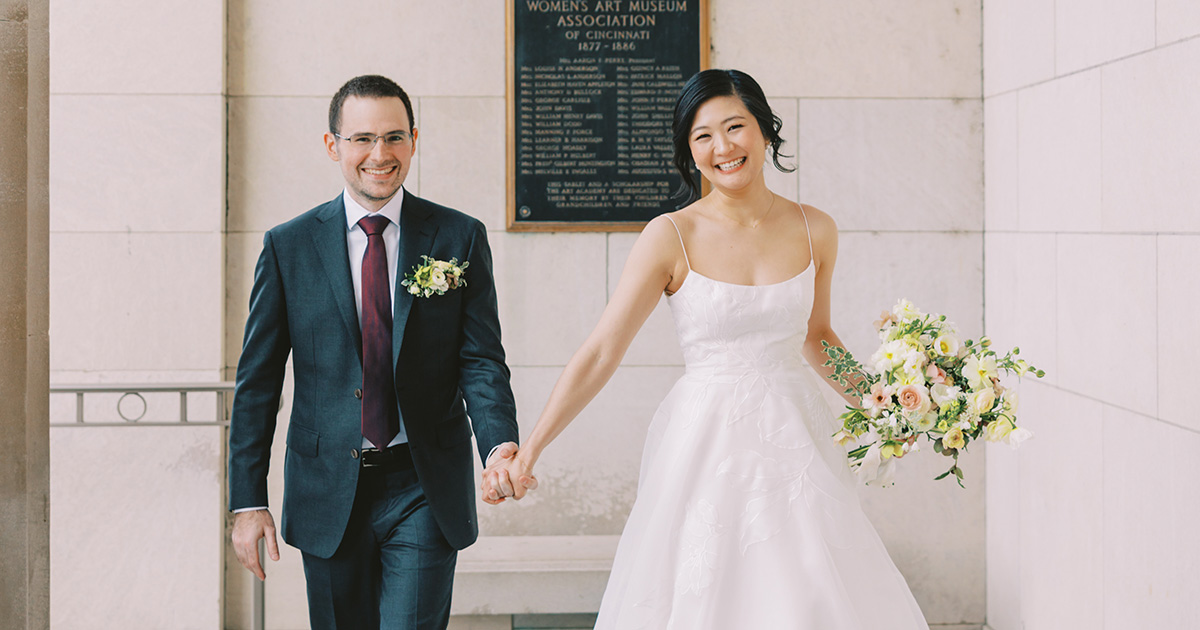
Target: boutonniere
{"x": 435, "y": 277}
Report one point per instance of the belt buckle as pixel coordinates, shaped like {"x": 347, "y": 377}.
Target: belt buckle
{"x": 363, "y": 454}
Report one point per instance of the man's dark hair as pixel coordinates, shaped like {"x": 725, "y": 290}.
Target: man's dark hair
{"x": 709, "y": 84}
{"x": 367, "y": 86}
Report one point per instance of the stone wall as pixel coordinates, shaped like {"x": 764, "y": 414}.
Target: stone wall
{"x": 204, "y": 130}
{"x": 1093, "y": 239}
{"x": 137, "y": 160}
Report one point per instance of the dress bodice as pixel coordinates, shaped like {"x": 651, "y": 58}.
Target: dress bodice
{"x": 731, "y": 327}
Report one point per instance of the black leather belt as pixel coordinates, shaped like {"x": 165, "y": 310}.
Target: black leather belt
{"x": 396, "y": 457}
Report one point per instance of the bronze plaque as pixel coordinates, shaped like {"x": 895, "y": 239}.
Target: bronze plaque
{"x": 591, "y": 94}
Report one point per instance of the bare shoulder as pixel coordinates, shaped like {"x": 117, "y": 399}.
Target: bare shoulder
{"x": 822, "y": 225}
{"x": 660, "y": 229}
{"x": 660, "y": 239}
{"x": 823, "y": 230}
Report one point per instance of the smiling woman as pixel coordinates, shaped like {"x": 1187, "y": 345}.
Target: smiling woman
{"x": 746, "y": 514}
{"x": 717, "y": 84}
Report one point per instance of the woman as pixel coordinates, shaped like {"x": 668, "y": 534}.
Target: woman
{"x": 746, "y": 515}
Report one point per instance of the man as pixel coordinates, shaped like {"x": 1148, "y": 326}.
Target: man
{"x": 378, "y": 477}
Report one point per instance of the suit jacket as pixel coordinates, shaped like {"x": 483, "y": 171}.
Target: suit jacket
{"x": 446, "y": 349}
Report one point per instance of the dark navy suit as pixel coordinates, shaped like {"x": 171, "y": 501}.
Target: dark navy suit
{"x": 446, "y": 350}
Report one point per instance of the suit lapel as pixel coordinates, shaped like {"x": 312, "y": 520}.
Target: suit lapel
{"x": 329, "y": 237}
{"x": 416, "y": 237}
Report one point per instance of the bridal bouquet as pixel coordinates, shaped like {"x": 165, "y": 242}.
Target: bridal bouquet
{"x": 924, "y": 381}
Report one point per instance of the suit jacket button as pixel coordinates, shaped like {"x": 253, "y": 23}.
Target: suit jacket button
{"x": 358, "y": 394}
{"x": 354, "y": 453}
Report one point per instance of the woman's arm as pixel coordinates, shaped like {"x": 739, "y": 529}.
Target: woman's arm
{"x": 649, "y": 269}
{"x": 825, "y": 246}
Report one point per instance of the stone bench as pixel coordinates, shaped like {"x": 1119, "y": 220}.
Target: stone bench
{"x": 513, "y": 575}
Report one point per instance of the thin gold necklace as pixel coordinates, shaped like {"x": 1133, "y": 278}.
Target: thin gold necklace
{"x": 756, "y": 223}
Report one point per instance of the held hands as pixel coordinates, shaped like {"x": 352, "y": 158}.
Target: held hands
{"x": 506, "y": 475}
{"x": 248, "y": 528}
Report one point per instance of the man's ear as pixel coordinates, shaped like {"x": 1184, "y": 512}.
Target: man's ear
{"x": 414, "y": 141}
{"x": 331, "y": 146}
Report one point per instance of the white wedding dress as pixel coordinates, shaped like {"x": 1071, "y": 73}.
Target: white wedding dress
{"x": 747, "y": 517}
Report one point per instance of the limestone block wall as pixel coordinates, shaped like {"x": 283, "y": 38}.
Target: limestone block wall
{"x": 204, "y": 130}
{"x": 881, "y": 109}
{"x": 1093, "y": 234}
{"x": 137, "y": 193}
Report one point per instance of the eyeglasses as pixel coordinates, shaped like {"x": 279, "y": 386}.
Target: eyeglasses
{"x": 366, "y": 141}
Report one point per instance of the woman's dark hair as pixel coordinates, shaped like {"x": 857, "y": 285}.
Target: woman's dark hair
{"x": 367, "y": 86}
{"x": 708, "y": 84}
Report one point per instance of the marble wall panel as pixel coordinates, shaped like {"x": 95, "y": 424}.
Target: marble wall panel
{"x": 278, "y": 47}
{"x": 1107, "y": 342}
{"x": 137, "y": 47}
{"x": 588, "y": 476}
{"x": 1151, "y": 498}
{"x": 278, "y": 167}
{"x": 1000, "y": 306}
{"x": 138, "y": 546}
{"x": 1151, "y": 141}
{"x": 855, "y": 48}
{"x": 1088, "y": 33}
{"x": 1178, "y": 336}
{"x": 1003, "y": 494}
{"x": 137, "y": 163}
{"x": 656, "y": 343}
{"x": 1018, "y": 44}
{"x": 1061, "y": 499}
{"x": 552, "y": 289}
{"x": 93, "y": 376}
{"x": 462, "y": 147}
{"x": 905, "y": 165}
{"x": 1059, "y": 149}
{"x": 1020, "y": 298}
{"x": 136, "y": 301}
{"x": 940, "y": 273}
{"x": 1177, "y": 19}
{"x": 942, "y": 558}
{"x": 242, "y": 250}
{"x": 1000, "y": 164}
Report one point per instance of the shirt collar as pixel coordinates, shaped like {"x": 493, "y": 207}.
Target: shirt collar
{"x": 355, "y": 212}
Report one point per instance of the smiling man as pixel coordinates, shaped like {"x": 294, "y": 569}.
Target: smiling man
{"x": 378, "y": 475}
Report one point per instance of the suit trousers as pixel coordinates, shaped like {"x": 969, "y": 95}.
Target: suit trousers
{"x": 393, "y": 570}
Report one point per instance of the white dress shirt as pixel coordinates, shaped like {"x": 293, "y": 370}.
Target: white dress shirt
{"x": 356, "y": 245}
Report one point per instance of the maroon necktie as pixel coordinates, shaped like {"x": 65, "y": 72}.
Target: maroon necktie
{"x": 380, "y": 415}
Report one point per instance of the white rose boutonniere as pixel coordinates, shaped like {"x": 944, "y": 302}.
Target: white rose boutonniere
{"x": 435, "y": 277}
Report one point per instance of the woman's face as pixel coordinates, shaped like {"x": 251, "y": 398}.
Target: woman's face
{"x": 726, "y": 143}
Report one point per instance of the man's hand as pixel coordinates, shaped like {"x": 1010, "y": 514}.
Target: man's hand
{"x": 496, "y": 484}
{"x": 248, "y": 527}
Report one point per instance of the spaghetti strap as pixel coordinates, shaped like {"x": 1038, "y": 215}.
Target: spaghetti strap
{"x": 807, "y": 230}
{"x": 685, "y": 256}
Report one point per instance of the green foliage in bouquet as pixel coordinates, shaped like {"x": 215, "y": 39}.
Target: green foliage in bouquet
{"x": 924, "y": 381}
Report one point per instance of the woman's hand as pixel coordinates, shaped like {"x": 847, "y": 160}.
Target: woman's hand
{"x": 519, "y": 472}
{"x": 496, "y": 483}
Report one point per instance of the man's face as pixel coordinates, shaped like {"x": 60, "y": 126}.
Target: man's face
{"x": 374, "y": 171}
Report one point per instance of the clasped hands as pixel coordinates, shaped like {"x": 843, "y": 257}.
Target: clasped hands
{"x": 507, "y": 475}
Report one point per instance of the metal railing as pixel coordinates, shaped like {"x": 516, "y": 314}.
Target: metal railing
{"x": 135, "y": 394}
{"x": 132, "y": 406}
